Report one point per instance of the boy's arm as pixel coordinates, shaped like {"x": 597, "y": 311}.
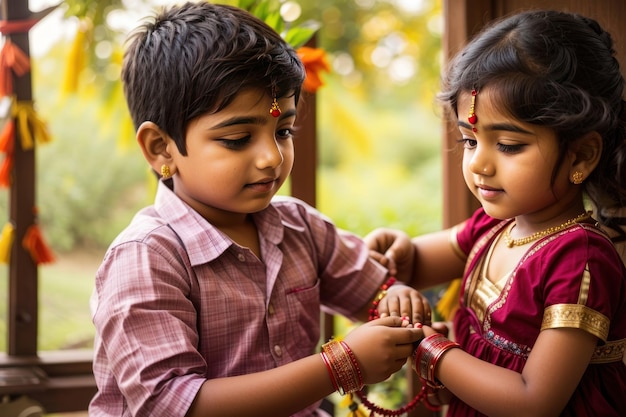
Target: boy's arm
{"x": 381, "y": 348}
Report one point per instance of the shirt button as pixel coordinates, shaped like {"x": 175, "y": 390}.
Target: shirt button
{"x": 241, "y": 257}
{"x": 278, "y": 351}
{"x": 270, "y": 309}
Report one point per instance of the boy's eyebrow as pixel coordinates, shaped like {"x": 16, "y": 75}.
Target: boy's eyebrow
{"x": 497, "y": 126}
{"x": 246, "y": 120}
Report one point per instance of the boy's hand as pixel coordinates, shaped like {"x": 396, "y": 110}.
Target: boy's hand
{"x": 404, "y": 301}
{"x": 382, "y": 347}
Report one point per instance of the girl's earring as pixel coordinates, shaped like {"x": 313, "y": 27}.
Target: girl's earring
{"x": 165, "y": 171}
{"x": 577, "y": 177}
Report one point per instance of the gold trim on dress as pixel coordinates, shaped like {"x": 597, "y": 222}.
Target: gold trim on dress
{"x": 584, "y": 286}
{"x": 612, "y": 351}
{"x": 578, "y": 317}
{"x": 455, "y": 244}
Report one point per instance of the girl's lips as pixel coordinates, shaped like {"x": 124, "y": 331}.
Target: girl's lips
{"x": 488, "y": 192}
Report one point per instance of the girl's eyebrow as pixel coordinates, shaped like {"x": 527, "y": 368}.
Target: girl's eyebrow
{"x": 497, "y": 126}
{"x": 233, "y": 121}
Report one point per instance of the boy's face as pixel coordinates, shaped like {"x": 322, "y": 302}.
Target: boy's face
{"x": 237, "y": 158}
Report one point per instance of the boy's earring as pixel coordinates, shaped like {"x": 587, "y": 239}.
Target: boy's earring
{"x": 275, "y": 109}
{"x": 577, "y": 177}
{"x": 165, "y": 171}
{"x": 471, "y": 116}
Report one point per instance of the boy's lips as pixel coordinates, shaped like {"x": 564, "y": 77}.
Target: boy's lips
{"x": 265, "y": 184}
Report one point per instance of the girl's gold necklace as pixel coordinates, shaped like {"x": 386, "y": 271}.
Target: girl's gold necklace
{"x": 510, "y": 242}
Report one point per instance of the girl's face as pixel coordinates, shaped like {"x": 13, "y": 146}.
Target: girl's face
{"x": 508, "y": 165}
{"x": 237, "y": 158}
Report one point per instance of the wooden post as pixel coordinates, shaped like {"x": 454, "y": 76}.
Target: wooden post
{"x": 22, "y": 325}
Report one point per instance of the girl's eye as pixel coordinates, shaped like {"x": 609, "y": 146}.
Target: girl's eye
{"x": 468, "y": 143}
{"x": 235, "y": 144}
{"x": 509, "y": 148}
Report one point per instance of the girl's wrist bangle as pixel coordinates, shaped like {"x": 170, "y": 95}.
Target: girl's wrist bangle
{"x": 427, "y": 356}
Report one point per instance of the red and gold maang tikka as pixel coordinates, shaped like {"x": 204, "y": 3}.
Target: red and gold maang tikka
{"x": 275, "y": 108}
{"x": 471, "y": 116}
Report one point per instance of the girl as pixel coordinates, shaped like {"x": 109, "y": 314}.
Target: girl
{"x": 541, "y": 327}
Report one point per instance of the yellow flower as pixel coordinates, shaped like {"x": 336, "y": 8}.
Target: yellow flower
{"x": 314, "y": 60}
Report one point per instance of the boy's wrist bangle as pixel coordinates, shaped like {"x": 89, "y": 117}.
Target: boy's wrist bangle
{"x": 342, "y": 367}
{"x": 382, "y": 292}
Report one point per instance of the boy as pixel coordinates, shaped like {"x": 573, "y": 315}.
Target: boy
{"x": 208, "y": 303}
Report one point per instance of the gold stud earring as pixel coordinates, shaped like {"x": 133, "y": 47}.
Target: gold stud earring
{"x": 165, "y": 171}
{"x": 577, "y": 177}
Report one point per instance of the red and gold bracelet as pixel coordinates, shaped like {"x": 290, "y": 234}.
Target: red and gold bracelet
{"x": 427, "y": 354}
{"x": 343, "y": 368}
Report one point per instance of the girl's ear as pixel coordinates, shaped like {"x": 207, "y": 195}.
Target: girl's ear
{"x": 586, "y": 151}
{"x": 155, "y": 145}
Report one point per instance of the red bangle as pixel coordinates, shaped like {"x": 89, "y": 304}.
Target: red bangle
{"x": 329, "y": 368}
{"x": 355, "y": 364}
{"x": 344, "y": 367}
{"x": 382, "y": 292}
{"x": 427, "y": 355}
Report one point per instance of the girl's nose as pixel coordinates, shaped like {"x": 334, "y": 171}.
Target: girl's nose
{"x": 480, "y": 163}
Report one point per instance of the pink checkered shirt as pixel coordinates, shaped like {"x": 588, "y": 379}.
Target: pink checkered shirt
{"x": 176, "y": 302}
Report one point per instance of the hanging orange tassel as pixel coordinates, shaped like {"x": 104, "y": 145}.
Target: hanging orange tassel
{"x": 11, "y": 58}
{"x": 34, "y": 243}
{"x": 6, "y": 242}
{"x": 5, "y": 171}
{"x": 7, "y": 137}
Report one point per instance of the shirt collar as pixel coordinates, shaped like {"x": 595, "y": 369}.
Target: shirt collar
{"x": 203, "y": 241}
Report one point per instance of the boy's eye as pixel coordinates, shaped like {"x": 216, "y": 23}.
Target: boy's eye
{"x": 235, "y": 143}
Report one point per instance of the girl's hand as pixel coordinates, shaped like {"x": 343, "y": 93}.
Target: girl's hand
{"x": 404, "y": 301}
{"x": 394, "y": 250}
{"x": 382, "y": 346}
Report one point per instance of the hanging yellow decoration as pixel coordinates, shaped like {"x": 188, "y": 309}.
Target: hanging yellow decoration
{"x": 27, "y": 121}
{"x": 76, "y": 58}
{"x": 449, "y": 302}
{"x": 6, "y": 242}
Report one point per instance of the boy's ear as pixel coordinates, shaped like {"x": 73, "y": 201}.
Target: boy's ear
{"x": 586, "y": 151}
{"x": 154, "y": 144}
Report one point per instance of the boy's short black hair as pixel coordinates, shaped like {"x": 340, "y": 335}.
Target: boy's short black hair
{"x": 194, "y": 58}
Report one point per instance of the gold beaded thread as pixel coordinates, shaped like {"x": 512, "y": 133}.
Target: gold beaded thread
{"x": 510, "y": 242}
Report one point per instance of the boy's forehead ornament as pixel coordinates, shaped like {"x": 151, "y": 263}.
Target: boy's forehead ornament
{"x": 471, "y": 116}
{"x": 275, "y": 109}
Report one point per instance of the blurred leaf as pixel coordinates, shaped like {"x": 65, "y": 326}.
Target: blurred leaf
{"x": 296, "y": 37}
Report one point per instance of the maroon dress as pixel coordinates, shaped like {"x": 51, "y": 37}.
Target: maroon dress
{"x": 572, "y": 278}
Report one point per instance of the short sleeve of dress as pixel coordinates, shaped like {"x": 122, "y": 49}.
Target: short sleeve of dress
{"x": 584, "y": 282}
{"x": 475, "y": 227}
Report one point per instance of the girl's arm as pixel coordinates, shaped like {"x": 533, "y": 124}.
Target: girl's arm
{"x": 381, "y": 348}
{"x": 553, "y": 370}
{"x": 421, "y": 262}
